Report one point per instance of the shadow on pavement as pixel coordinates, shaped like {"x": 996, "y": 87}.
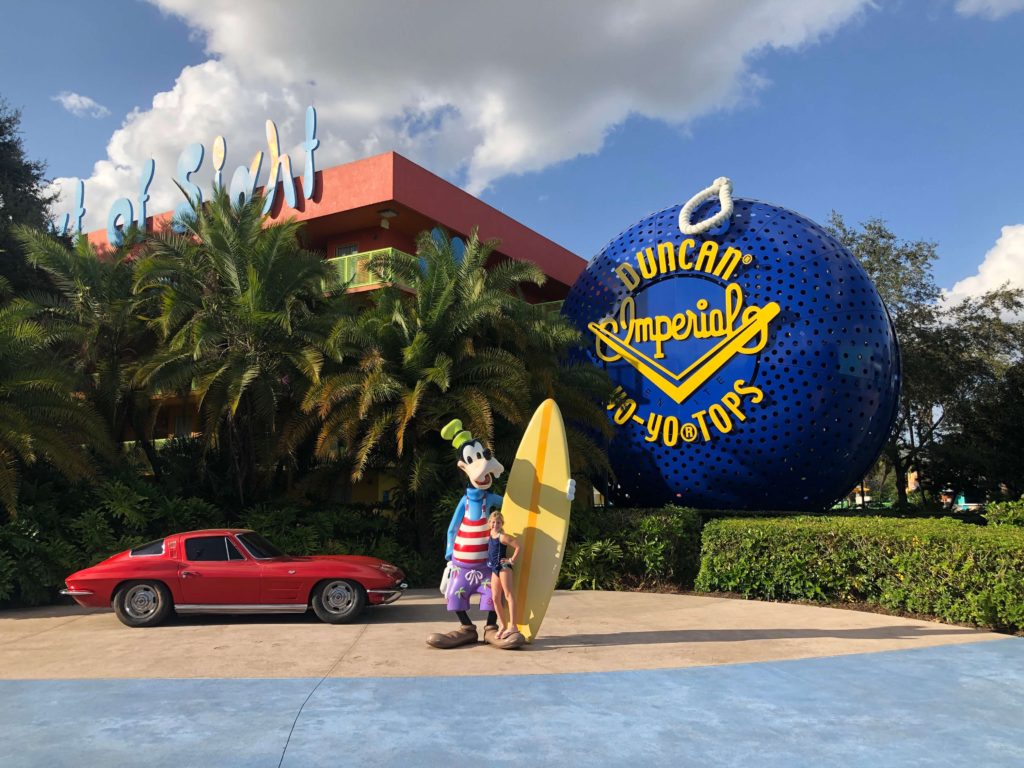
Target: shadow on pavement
{"x": 397, "y": 613}
{"x": 655, "y": 637}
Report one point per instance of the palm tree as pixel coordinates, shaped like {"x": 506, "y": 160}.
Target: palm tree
{"x": 445, "y": 340}
{"x": 40, "y": 415}
{"x": 559, "y": 370}
{"x": 242, "y": 314}
{"x": 95, "y": 307}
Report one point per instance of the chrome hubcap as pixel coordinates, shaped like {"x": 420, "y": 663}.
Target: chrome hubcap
{"x": 142, "y": 601}
{"x": 339, "y": 597}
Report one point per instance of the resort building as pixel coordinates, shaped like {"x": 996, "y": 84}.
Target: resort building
{"x": 384, "y": 202}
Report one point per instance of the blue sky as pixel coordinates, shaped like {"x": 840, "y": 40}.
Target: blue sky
{"x": 908, "y": 111}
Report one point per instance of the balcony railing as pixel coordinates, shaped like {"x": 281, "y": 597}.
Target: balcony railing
{"x": 352, "y": 268}
{"x": 551, "y": 307}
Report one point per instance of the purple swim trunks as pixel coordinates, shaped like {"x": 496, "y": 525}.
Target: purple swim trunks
{"x": 468, "y": 580}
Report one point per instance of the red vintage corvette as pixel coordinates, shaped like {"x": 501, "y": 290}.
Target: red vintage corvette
{"x": 232, "y": 571}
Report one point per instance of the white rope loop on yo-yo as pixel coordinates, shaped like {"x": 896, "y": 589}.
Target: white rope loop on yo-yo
{"x": 720, "y": 188}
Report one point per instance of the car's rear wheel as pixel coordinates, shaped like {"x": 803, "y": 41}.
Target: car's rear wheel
{"x": 142, "y": 603}
{"x": 338, "y": 601}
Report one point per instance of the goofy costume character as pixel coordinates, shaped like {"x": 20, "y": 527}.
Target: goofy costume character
{"x": 467, "y": 544}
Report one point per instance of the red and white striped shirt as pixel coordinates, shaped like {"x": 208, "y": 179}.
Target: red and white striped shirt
{"x": 471, "y": 541}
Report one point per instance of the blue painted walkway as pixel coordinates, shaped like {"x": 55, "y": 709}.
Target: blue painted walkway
{"x": 951, "y": 706}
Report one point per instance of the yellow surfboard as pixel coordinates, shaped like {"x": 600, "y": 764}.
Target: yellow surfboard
{"x": 536, "y": 511}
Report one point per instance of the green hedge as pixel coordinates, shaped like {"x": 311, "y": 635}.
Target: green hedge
{"x": 941, "y": 568}
{"x": 955, "y": 572}
{"x": 60, "y": 529}
{"x": 632, "y": 548}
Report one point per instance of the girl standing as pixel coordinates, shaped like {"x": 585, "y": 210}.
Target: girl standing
{"x": 501, "y": 573}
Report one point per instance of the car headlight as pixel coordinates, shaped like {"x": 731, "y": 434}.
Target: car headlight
{"x": 388, "y": 568}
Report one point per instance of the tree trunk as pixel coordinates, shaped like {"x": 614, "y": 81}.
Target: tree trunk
{"x": 248, "y": 438}
{"x": 899, "y": 471}
{"x": 151, "y": 455}
{"x": 142, "y": 438}
{"x": 234, "y": 443}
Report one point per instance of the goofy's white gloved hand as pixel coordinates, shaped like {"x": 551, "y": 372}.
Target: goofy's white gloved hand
{"x": 570, "y": 492}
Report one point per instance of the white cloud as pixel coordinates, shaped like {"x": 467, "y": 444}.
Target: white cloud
{"x": 1003, "y": 263}
{"x": 472, "y": 91}
{"x": 989, "y": 9}
{"x": 79, "y": 105}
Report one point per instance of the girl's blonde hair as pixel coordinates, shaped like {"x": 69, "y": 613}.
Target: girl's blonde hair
{"x": 495, "y": 514}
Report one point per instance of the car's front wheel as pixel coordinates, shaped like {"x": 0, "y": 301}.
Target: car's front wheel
{"x": 338, "y": 601}
{"x": 142, "y": 603}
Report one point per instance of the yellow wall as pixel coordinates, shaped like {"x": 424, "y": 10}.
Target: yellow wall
{"x": 372, "y": 488}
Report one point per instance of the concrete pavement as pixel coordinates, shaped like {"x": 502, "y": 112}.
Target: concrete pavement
{"x": 615, "y": 679}
{"x": 582, "y": 632}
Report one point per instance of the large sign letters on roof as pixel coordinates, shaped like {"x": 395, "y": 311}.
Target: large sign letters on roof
{"x": 244, "y": 181}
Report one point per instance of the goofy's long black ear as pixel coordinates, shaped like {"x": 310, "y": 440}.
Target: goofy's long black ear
{"x": 453, "y": 431}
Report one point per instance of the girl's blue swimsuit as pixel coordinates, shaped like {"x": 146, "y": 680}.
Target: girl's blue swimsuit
{"x": 495, "y": 554}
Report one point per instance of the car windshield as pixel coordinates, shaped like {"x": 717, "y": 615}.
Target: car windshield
{"x": 259, "y": 547}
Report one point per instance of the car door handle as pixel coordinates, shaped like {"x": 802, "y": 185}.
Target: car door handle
{"x": 186, "y": 574}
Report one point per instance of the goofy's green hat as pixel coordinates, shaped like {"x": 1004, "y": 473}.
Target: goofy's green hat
{"x": 453, "y": 431}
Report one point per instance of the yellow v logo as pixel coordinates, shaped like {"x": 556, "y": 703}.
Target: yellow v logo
{"x": 680, "y": 386}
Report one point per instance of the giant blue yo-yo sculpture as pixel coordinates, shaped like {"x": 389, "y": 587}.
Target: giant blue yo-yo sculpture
{"x": 755, "y": 363}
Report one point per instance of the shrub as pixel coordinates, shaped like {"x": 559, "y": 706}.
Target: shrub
{"x": 663, "y": 545}
{"x": 593, "y": 565}
{"x": 631, "y": 548}
{"x": 32, "y": 562}
{"x": 955, "y": 572}
{"x": 1005, "y": 513}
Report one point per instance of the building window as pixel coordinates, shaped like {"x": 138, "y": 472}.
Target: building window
{"x": 346, "y": 250}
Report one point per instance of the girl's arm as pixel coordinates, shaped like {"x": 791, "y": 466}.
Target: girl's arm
{"x": 513, "y": 542}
